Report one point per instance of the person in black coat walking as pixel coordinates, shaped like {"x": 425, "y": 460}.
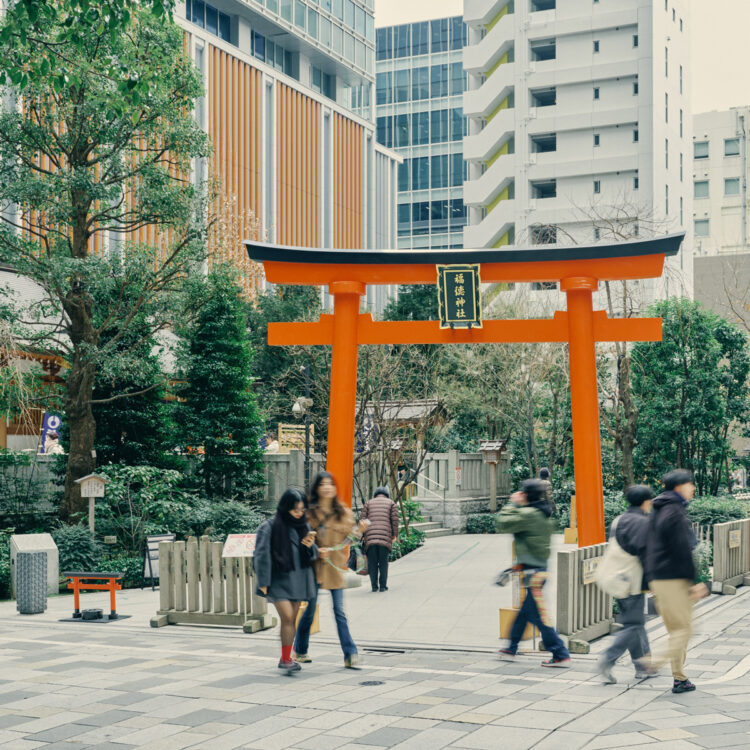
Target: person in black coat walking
{"x": 284, "y": 552}
{"x": 671, "y": 573}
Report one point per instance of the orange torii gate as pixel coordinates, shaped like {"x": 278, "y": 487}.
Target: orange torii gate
{"x": 578, "y": 269}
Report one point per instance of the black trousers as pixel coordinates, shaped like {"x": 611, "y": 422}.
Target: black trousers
{"x": 377, "y": 563}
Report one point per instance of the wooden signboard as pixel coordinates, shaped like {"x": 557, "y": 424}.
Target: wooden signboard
{"x": 239, "y": 545}
{"x": 588, "y": 569}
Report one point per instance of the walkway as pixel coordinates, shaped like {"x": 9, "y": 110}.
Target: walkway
{"x": 124, "y": 685}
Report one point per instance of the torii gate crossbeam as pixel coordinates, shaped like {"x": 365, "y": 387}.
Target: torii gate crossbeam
{"x": 578, "y": 270}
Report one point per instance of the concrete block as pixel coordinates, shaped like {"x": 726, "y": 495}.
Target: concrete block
{"x": 716, "y": 587}
{"x": 746, "y": 579}
{"x": 159, "y": 621}
{"x": 727, "y": 589}
{"x": 36, "y": 543}
{"x": 576, "y": 646}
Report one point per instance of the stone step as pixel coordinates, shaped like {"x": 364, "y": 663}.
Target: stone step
{"x": 424, "y": 525}
{"x": 432, "y": 533}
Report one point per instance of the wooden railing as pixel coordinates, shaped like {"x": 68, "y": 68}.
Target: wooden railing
{"x": 198, "y": 586}
{"x": 584, "y": 611}
{"x": 731, "y": 555}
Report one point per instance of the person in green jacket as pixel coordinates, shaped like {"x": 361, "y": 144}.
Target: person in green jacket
{"x": 527, "y": 517}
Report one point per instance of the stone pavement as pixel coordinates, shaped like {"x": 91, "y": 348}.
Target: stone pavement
{"x": 123, "y": 685}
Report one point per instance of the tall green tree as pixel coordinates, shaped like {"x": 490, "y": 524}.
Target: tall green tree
{"x": 98, "y": 148}
{"x": 138, "y": 430}
{"x": 219, "y": 410}
{"x": 691, "y": 391}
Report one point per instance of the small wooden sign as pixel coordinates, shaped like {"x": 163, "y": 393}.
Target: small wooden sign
{"x": 588, "y": 569}
{"x": 459, "y": 296}
{"x": 110, "y": 540}
{"x": 734, "y": 538}
{"x": 239, "y": 545}
{"x": 92, "y": 485}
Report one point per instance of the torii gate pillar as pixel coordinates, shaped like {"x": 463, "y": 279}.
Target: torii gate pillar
{"x": 584, "y": 405}
{"x": 342, "y": 403}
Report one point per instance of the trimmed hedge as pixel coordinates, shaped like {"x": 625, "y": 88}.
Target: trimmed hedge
{"x": 480, "y": 523}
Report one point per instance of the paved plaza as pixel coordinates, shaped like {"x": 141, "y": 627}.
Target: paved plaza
{"x": 124, "y": 685}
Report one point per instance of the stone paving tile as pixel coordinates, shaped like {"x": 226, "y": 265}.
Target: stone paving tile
{"x": 386, "y": 737}
{"x": 107, "y": 718}
{"x": 204, "y": 716}
{"x": 507, "y": 738}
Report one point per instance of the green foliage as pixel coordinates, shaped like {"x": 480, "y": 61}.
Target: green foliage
{"x": 144, "y": 500}
{"x": 218, "y": 409}
{"x": 22, "y": 493}
{"x": 131, "y": 565}
{"x": 278, "y": 370}
{"x": 138, "y": 429}
{"x": 233, "y": 518}
{"x": 406, "y": 543}
{"x": 5, "y": 535}
{"x": 614, "y": 505}
{"x": 707, "y": 511}
{"x": 99, "y": 151}
{"x": 689, "y": 390}
{"x": 77, "y": 548}
{"x": 414, "y": 302}
{"x": 480, "y": 523}
{"x": 703, "y": 555}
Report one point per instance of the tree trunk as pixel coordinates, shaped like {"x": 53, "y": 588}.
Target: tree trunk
{"x": 82, "y": 427}
{"x": 629, "y": 423}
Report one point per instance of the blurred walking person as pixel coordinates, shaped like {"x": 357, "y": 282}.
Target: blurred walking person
{"x": 334, "y": 524}
{"x": 527, "y": 517}
{"x": 284, "y": 553}
{"x": 382, "y": 514}
{"x": 627, "y": 539}
{"x": 671, "y": 572}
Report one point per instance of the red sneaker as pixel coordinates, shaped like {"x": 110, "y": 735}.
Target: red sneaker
{"x": 557, "y": 663}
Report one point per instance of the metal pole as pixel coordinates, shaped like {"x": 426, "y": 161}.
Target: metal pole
{"x": 307, "y": 427}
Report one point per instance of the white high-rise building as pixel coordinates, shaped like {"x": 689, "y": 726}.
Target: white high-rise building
{"x": 580, "y": 126}
{"x": 720, "y": 210}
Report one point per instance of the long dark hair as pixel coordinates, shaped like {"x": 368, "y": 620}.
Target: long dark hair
{"x": 290, "y": 500}
{"x": 314, "y": 501}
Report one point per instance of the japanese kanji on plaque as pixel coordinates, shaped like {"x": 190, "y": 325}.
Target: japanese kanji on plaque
{"x": 459, "y": 296}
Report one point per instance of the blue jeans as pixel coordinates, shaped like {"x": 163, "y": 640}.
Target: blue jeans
{"x": 529, "y": 613}
{"x": 302, "y": 639}
{"x": 633, "y": 636}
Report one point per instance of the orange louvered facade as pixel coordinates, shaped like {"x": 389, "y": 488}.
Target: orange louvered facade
{"x": 298, "y": 167}
{"x": 348, "y": 200}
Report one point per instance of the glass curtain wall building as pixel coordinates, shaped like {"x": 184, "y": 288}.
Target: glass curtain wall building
{"x": 419, "y": 87}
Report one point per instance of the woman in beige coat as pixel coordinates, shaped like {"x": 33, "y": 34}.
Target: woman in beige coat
{"x": 334, "y": 525}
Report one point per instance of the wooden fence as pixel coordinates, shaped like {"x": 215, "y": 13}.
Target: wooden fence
{"x": 731, "y": 555}
{"x": 200, "y": 587}
{"x": 584, "y": 611}
{"x": 703, "y": 533}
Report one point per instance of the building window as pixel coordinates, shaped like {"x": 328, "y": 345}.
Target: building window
{"x": 401, "y": 131}
{"x": 420, "y": 128}
{"x": 439, "y": 126}
{"x": 439, "y": 34}
{"x": 666, "y": 153}
{"x": 701, "y": 228}
{"x": 543, "y": 49}
{"x": 636, "y": 182}
{"x": 209, "y": 18}
{"x": 457, "y": 170}
{"x": 700, "y": 189}
{"x": 383, "y": 88}
{"x": 401, "y": 86}
{"x": 681, "y": 165}
{"x": 597, "y": 186}
{"x": 420, "y": 83}
{"x": 438, "y": 81}
{"x": 404, "y": 219}
{"x": 732, "y": 186}
{"x": 596, "y": 92}
{"x": 635, "y": 136}
{"x": 597, "y": 234}
{"x": 666, "y": 107}
{"x": 682, "y": 117}
{"x": 635, "y": 88}
{"x": 597, "y": 139}
{"x": 420, "y": 173}
{"x": 458, "y": 79}
{"x": 700, "y": 150}
{"x": 420, "y": 38}
{"x": 596, "y": 45}
{"x": 666, "y": 62}
{"x": 439, "y": 171}
{"x": 635, "y": 40}
{"x": 544, "y": 189}
{"x": 732, "y": 147}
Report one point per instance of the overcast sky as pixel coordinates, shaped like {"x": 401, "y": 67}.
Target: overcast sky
{"x": 720, "y": 43}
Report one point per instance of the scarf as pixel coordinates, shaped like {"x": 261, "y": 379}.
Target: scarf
{"x": 281, "y": 544}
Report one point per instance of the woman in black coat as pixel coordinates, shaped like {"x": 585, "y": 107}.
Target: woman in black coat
{"x": 284, "y": 551}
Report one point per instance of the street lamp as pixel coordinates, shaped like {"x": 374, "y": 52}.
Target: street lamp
{"x": 301, "y": 408}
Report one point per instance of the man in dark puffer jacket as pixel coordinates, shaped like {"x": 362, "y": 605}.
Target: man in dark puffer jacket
{"x": 380, "y": 535}
{"x": 670, "y": 570}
